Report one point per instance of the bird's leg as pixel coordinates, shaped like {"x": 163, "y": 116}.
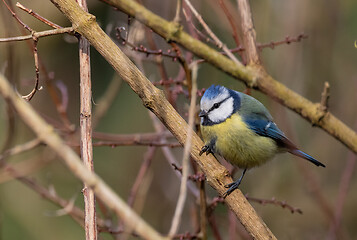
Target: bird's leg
{"x": 234, "y": 185}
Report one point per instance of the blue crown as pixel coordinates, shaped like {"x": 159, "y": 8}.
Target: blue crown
{"x": 213, "y": 91}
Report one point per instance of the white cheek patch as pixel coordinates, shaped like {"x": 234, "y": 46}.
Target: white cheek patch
{"x": 223, "y": 112}
{"x": 207, "y": 104}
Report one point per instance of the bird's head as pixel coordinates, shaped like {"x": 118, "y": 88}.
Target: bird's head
{"x": 217, "y": 104}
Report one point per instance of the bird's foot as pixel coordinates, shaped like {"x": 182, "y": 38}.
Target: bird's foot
{"x": 206, "y": 149}
{"x": 231, "y": 187}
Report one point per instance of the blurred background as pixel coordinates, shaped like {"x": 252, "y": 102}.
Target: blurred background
{"x": 325, "y": 196}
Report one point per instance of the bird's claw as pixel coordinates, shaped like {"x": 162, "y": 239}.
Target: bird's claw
{"x": 206, "y": 149}
{"x": 231, "y": 187}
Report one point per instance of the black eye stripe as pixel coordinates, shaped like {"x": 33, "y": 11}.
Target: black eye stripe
{"x": 217, "y": 105}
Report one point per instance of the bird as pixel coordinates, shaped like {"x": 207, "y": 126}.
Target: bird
{"x": 239, "y": 128}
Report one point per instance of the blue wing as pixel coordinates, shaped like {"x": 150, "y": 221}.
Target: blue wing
{"x": 267, "y": 128}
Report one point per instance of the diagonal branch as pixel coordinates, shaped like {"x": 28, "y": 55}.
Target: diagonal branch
{"x": 155, "y": 100}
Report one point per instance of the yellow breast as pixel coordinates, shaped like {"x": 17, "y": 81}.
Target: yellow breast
{"x": 239, "y": 144}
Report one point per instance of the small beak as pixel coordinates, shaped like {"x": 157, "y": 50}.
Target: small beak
{"x": 203, "y": 113}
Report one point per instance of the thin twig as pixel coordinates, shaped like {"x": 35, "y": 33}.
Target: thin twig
{"x": 36, "y": 88}
{"x": 230, "y": 20}
{"x": 160, "y": 65}
{"x": 183, "y": 189}
{"x": 142, "y": 49}
{"x": 135, "y": 143}
{"x": 16, "y": 17}
{"x": 185, "y": 67}
{"x": 287, "y": 40}
{"x": 35, "y": 53}
{"x": 261, "y": 46}
{"x": 51, "y": 90}
{"x": 38, "y": 34}
{"x": 20, "y": 148}
{"x": 141, "y": 174}
{"x": 220, "y": 45}
{"x": 192, "y": 26}
{"x": 24, "y": 168}
{"x": 273, "y": 201}
{"x": 325, "y": 95}
{"x": 135, "y": 137}
{"x": 86, "y": 130}
{"x": 48, "y": 77}
{"x": 169, "y": 156}
{"x": 198, "y": 177}
{"x": 169, "y": 81}
{"x": 177, "y": 18}
{"x": 37, "y": 16}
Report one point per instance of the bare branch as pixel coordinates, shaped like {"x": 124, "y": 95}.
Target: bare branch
{"x": 38, "y": 34}
{"x": 86, "y": 130}
{"x": 37, "y": 16}
{"x": 36, "y": 88}
{"x": 20, "y": 148}
{"x": 230, "y": 20}
{"x": 177, "y": 18}
{"x": 220, "y": 45}
{"x": 288, "y": 40}
{"x": 273, "y": 201}
{"x": 16, "y": 17}
{"x": 132, "y": 138}
{"x": 248, "y": 32}
{"x": 136, "y": 143}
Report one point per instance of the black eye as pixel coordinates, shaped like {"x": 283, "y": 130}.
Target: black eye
{"x": 216, "y": 105}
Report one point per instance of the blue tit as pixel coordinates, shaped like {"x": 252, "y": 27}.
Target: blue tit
{"x": 239, "y": 128}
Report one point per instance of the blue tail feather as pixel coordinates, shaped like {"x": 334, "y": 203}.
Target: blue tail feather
{"x": 301, "y": 154}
